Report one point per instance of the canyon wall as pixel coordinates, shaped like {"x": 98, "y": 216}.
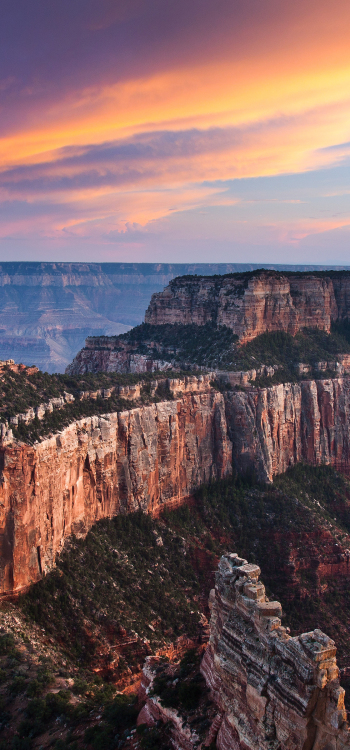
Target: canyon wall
{"x": 151, "y": 456}
{"x": 277, "y": 427}
{"x": 100, "y": 466}
{"x": 48, "y": 309}
{"x": 253, "y": 304}
{"x": 271, "y": 690}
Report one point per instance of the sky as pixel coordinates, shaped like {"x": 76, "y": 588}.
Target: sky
{"x": 175, "y": 131}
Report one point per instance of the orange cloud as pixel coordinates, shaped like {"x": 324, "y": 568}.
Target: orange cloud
{"x": 266, "y": 93}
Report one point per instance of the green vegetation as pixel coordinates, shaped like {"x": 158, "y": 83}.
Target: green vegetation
{"x": 60, "y": 418}
{"x": 302, "y": 517}
{"x": 183, "y": 688}
{"x": 209, "y": 347}
{"x": 56, "y": 710}
{"x": 118, "y": 716}
{"x": 280, "y": 348}
{"x": 20, "y": 391}
{"x": 136, "y": 583}
{"x": 246, "y": 275}
{"x": 206, "y": 346}
{"x": 129, "y": 573}
{"x": 35, "y": 704}
{"x": 134, "y": 572}
{"x": 342, "y": 328}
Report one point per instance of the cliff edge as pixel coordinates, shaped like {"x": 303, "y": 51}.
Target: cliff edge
{"x": 143, "y": 458}
{"x": 156, "y": 455}
{"x": 253, "y": 303}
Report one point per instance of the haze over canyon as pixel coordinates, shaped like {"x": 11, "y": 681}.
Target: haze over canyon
{"x": 48, "y": 309}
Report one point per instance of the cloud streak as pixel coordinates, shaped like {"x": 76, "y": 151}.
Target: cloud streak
{"x": 132, "y": 119}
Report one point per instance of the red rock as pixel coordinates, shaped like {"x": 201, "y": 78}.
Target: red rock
{"x": 156, "y": 455}
{"x": 100, "y": 466}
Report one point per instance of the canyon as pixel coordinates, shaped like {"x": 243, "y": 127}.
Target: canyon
{"x": 155, "y": 456}
{"x": 253, "y": 303}
{"x": 48, "y": 309}
{"x": 205, "y": 321}
{"x": 266, "y": 689}
{"x": 100, "y": 466}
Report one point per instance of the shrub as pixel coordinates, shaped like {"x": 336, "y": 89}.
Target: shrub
{"x": 7, "y": 644}
{"x": 18, "y": 685}
{"x": 190, "y": 694}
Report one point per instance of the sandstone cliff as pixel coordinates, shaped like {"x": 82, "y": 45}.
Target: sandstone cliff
{"x": 271, "y": 690}
{"x": 100, "y": 466}
{"x": 48, "y": 309}
{"x": 155, "y": 455}
{"x": 255, "y": 303}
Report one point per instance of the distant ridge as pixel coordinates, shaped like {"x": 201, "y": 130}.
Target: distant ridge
{"x": 147, "y": 269}
{"x": 48, "y": 309}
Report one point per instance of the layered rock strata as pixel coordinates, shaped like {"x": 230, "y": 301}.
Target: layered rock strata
{"x": 251, "y": 305}
{"x": 40, "y": 411}
{"x": 155, "y": 455}
{"x": 146, "y": 458}
{"x": 271, "y": 690}
{"x": 340, "y": 366}
{"x": 120, "y": 357}
{"x": 187, "y": 384}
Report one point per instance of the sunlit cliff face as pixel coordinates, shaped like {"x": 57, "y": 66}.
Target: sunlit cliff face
{"x": 140, "y": 127}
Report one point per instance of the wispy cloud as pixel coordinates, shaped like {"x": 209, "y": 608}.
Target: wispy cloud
{"x": 122, "y": 122}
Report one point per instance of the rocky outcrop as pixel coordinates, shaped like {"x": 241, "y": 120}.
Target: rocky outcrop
{"x": 254, "y": 303}
{"x": 146, "y": 458}
{"x": 153, "y": 713}
{"x": 110, "y": 354}
{"x": 271, "y": 690}
{"x": 40, "y": 411}
{"x": 187, "y": 384}
{"x": 48, "y": 309}
{"x": 244, "y": 378}
{"x": 340, "y": 366}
